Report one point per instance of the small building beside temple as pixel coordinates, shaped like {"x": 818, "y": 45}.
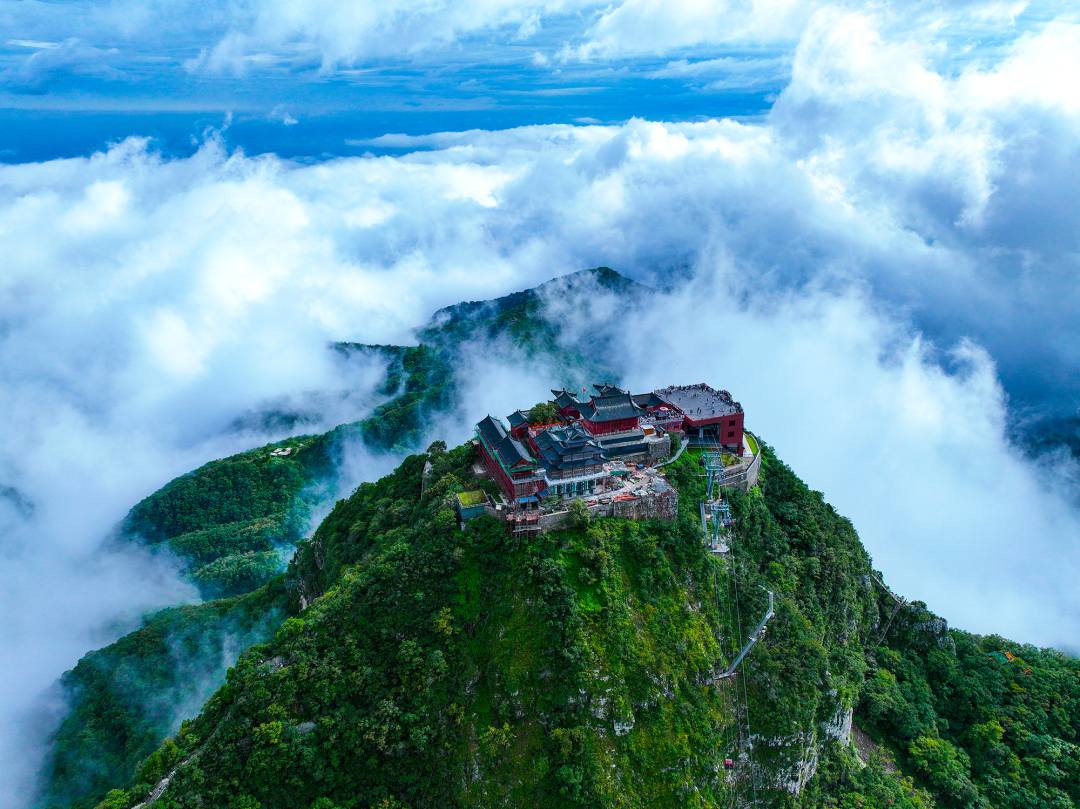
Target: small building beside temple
{"x": 470, "y": 505}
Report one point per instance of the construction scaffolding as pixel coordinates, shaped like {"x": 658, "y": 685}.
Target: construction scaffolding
{"x": 525, "y": 523}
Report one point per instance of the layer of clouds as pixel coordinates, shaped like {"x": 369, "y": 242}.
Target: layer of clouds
{"x": 340, "y": 34}
{"x": 863, "y": 270}
{"x": 239, "y": 36}
{"x": 157, "y": 310}
{"x": 727, "y": 72}
{"x": 915, "y": 457}
{"x": 157, "y": 42}
{"x": 639, "y": 26}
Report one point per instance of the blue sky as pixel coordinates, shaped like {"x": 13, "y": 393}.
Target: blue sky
{"x": 297, "y": 81}
{"x": 304, "y": 129}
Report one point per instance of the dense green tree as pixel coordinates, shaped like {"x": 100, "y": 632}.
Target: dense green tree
{"x": 543, "y": 413}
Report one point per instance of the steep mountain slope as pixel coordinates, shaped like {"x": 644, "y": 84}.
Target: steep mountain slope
{"x": 151, "y": 679}
{"x": 233, "y": 521}
{"x": 977, "y": 728}
{"x": 438, "y": 667}
{"x": 230, "y": 518}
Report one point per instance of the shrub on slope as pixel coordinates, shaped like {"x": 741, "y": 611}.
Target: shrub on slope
{"x": 128, "y": 696}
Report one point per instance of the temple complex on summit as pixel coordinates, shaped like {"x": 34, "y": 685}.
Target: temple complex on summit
{"x": 598, "y": 442}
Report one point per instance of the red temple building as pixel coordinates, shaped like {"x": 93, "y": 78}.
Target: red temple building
{"x": 519, "y": 424}
{"x": 568, "y": 459}
{"x": 509, "y": 462}
{"x": 567, "y": 403}
{"x": 612, "y": 411}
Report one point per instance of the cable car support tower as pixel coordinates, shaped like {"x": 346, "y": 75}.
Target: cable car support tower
{"x": 715, "y": 510}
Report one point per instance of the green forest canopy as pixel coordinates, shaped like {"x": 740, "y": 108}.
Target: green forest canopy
{"x": 365, "y": 697}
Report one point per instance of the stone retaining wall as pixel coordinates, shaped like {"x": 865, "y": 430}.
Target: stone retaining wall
{"x": 658, "y": 448}
{"x": 744, "y": 477}
{"x": 659, "y": 506}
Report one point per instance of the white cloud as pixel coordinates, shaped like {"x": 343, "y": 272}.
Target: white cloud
{"x": 30, "y": 43}
{"x": 917, "y": 458}
{"x": 238, "y": 37}
{"x": 345, "y": 34}
{"x": 52, "y": 61}
{"x": 651, "y": 26}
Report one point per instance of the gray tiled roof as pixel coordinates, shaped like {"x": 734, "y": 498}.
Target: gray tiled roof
{"x": 517, "y": 418}
{"x": 513, "y": 452}
{"x": 626, "y": 444}
{"x": 559, "y": 445}
{"x": 492, "y": 430}
{"x": 611, "y": 408}
{"x": 624, "y": 438}
{"x": 649, "y": 399}
{"x": 605, "y": 389}
{"x": 565, "y": 399}
{"x": 618, "y": 450}
{"x": 510, "y": 450}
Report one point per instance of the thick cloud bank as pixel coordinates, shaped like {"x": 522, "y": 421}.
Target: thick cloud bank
{"x": 869, "y": 270}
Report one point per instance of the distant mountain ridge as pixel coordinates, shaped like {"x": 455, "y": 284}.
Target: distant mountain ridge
{"x": 233, "y": 517}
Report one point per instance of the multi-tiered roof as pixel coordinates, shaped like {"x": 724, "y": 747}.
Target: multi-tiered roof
{"x": 610, "y": 407}
{"x": 510, "y": 452}
{"x": 567, "y": 448}
{"x": 565, "y": 399}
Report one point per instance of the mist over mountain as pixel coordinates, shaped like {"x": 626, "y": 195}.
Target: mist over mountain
{"x": 223, "y": 519}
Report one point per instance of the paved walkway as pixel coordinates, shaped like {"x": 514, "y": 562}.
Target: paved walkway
{"x": 674, "y": 457}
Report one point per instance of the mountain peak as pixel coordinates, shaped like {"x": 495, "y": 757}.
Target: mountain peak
{"x": 603, "y": 277}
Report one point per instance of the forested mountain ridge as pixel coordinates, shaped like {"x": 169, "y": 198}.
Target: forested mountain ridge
{"x": 234, "y": 521}
{"x": 125, "y": 694}
{"x": 438, "y": 667}
{"x": 635, "y": 614}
